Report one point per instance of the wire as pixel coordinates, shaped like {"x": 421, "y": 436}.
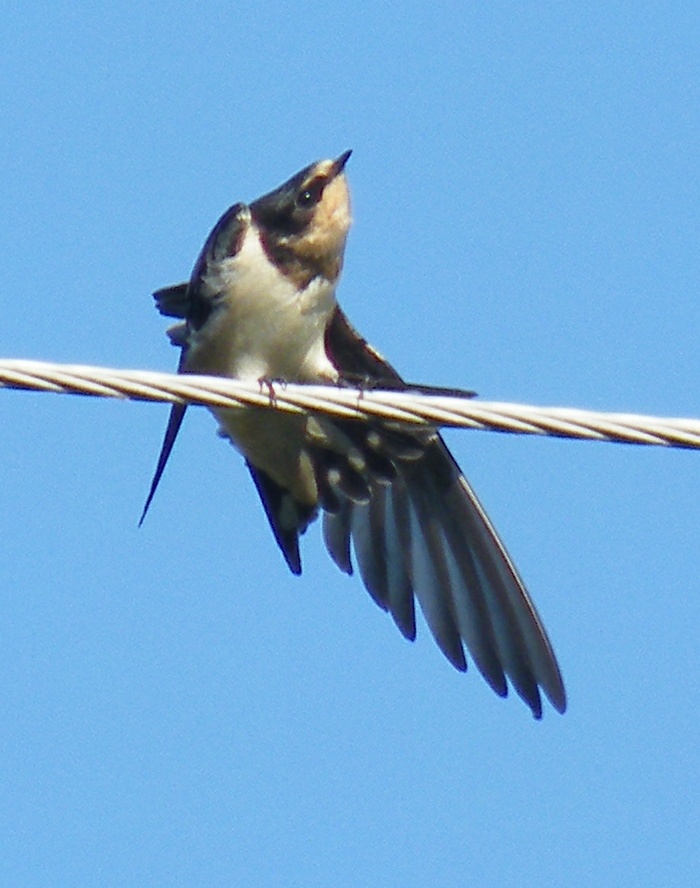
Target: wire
{"x": 448, "y": 408}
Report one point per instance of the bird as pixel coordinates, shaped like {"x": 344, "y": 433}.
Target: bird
{"x": 261, "y": 305}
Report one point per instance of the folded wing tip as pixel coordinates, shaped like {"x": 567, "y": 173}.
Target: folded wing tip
{"x": 293, "y": 559}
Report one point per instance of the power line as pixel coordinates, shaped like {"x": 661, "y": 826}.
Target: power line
{"x": 435, "y": 406}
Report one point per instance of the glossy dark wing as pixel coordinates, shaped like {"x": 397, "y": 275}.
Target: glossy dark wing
{"x": 177, "y": 414}
{"x": 193, "y": 303}
{"x": 288, "y": 517}
{"x": 424, "y": 534}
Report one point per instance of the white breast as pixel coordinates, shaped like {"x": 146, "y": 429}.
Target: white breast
{"x": 264, "y": 327}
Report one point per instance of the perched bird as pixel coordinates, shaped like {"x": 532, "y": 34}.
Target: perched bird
{"x": 261, "y": 305}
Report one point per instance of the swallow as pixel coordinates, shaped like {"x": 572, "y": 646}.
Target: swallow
{"x": 261, "y": 305}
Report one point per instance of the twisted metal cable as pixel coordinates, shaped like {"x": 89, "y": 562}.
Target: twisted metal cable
{"x": 449, "y": 409}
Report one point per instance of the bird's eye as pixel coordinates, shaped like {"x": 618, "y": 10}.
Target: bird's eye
{"x": 308, "y": 197}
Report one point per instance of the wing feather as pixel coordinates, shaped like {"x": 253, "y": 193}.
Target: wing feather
{"x": 424, "y": 534}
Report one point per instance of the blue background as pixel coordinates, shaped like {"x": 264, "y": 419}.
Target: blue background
{"x": 175, "y": 708}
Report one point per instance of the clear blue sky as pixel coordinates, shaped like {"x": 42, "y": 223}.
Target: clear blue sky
{"x": 177, "y": 709}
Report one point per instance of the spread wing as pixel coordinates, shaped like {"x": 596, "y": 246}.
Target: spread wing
{"x": 419, "y": 532}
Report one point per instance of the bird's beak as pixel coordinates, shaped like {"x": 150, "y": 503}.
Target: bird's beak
{"x": 339, "y": 164}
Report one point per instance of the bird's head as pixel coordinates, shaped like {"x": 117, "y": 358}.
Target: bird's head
{"x": 304, "y": 223}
